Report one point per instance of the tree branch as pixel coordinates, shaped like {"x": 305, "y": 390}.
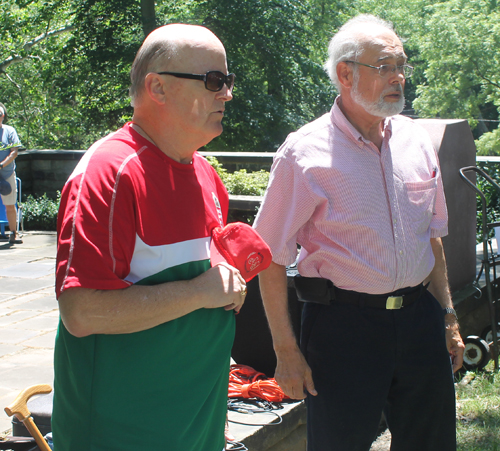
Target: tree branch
{"x": 12, "y": 81}
{"x": 27, "y": 47}
{"x": 20, "y": 89}
{"x": 491, "y": 82}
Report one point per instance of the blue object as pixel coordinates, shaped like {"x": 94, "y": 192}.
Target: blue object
{"x": 3, "y": 213}
{"x": 48, "y": 438}
{"x": 3, "y": 218}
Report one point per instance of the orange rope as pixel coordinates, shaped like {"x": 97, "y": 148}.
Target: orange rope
{"x": 245, "y": 382}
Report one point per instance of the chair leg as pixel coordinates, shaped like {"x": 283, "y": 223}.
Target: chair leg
{"x": 20, "y": 222}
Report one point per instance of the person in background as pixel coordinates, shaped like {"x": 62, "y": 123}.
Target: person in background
{"x": 365, "y": 201}
{"x": 9, "y": 145}
{"x": 143, "y": 347}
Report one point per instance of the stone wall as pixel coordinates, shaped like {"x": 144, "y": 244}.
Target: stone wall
{"x": 45, "y": 171}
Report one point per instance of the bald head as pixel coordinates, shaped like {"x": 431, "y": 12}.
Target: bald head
{"x": 168, "y": 47}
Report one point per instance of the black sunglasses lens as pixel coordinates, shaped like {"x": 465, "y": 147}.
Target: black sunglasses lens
{"x": 215, "y": 81}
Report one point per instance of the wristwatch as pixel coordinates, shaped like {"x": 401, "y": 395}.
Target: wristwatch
{"x": 1, "y": 166}
{"x": 450, "y": 310}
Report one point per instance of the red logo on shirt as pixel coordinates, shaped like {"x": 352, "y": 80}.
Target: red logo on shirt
{"x": 219, "y": 209}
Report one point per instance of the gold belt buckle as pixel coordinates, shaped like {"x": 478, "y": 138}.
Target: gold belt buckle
{"x": 394, "y": 302}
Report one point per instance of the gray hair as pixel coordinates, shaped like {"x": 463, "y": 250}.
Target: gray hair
{"x": 151, "y": 57}
{"x": 2, "y": 106}
{"x": 348, "y": 43}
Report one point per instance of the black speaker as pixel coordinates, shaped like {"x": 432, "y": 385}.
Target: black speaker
{"x": 253, "y": 344}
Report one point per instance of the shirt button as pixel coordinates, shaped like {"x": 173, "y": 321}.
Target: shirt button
{"x": 400, "y": 252}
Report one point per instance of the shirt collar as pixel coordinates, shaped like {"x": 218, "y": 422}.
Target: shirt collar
{"x": 338, "y": 119}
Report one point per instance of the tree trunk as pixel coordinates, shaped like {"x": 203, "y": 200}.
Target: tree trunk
{"x": 148, "y": 16}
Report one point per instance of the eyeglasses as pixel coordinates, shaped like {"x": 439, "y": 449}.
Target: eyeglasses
{"x": 214, "y": 80}
{"x": 387, "y": 69}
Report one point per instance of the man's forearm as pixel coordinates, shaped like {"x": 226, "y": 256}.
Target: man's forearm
{"x": 10, "y": 158}
{"x": 440, "y": 290}
{"x": 273, "y": 288}
{"x": 438, "y": 277}
{"x": 86, "y": 311}
{"x": 292, "y": 371}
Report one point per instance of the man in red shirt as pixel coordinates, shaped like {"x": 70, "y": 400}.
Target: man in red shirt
{"x": 143, "y": 347}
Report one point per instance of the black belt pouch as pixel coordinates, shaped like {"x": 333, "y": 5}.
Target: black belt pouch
{"x": 313, "y": 289}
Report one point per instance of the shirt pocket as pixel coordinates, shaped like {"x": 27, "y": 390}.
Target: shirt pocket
{"x": 421, "y": 202}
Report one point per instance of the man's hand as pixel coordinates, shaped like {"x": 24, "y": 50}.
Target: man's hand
{"x": 293, "y": 374}
{"x": 292, "y": 371}
{"x": 223, "y": 286}
{"x": 440, "y": 289}
{"x": 454, "y": 343}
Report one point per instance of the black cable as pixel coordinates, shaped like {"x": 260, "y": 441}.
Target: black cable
{"x": 246, "y": 407}
{"x": 236, "y": 446}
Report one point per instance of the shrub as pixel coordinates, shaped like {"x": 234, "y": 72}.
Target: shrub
{"x": 40, "y": 213}
{"x": 489, "y": 143}
{"x": 241, "y": 182}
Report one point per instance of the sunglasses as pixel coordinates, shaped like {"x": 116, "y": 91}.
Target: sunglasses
{"x": 214, "y": 80}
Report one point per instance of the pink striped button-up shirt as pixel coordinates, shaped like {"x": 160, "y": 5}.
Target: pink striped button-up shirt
{"x": 363, "y": 217}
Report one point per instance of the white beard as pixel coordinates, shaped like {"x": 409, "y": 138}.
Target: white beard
{"x": 380, "y": 107}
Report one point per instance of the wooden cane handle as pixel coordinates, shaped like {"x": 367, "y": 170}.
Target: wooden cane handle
{"x": 19, "y": 407}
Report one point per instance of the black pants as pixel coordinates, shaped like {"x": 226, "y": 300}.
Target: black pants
{"x": 366, "y": 361}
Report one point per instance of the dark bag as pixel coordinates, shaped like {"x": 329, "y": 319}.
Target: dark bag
{"x": 5, "y": 187}
{"x": 314, "y": 289}
{"x": 18, "y": 444}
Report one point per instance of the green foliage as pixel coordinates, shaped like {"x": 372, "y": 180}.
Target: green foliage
{"x": 98, "y": 58}
{"x": 458, "y": 42}
{"x": 248, "y": 184}
{"x": 279, "y": 86}
{"x": 492, "y": 196}
{"x": 73, "y": 88}
{"x": 66, "y": 90}
{"x": 70, "y": 88}
{"x": 241, "y": 182}
{"x": 489, "y": 143}
{"x": 40, "y": 213}
{"x": 27, "y": 58}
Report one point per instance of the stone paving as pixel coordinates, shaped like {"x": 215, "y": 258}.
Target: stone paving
{"x": 28, "y": 316}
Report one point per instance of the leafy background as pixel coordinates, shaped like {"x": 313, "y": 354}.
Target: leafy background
{"x": 64, "y": 64}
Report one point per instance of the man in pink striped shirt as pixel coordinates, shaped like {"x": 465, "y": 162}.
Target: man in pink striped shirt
{"x": 360, "y": 190}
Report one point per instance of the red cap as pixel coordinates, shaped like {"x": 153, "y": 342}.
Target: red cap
{"x": 240, "y": 246}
